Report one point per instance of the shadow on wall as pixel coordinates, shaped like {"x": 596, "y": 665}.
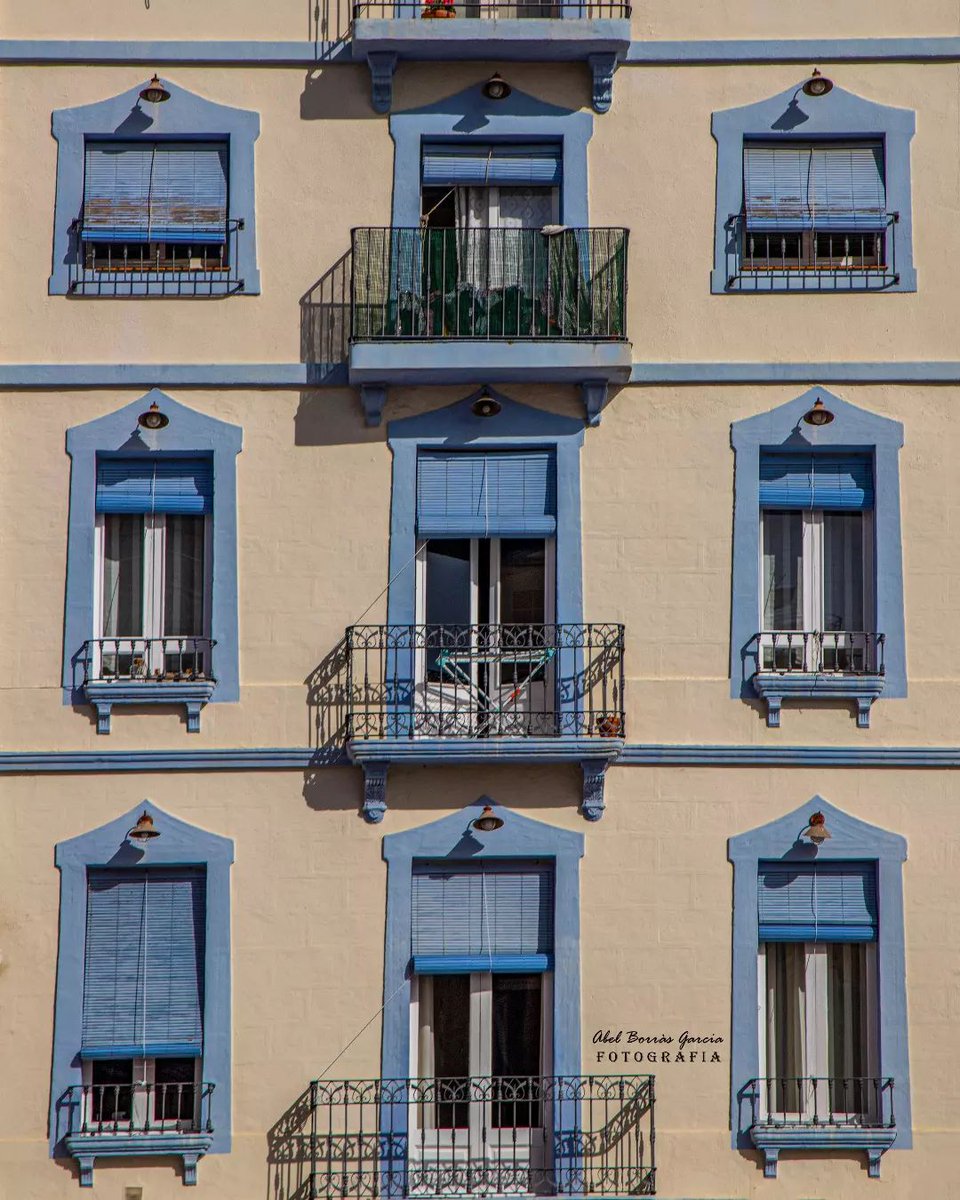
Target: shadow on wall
{"x": 327, "y": 702}
{"x": 289, "y": 1157}
{"x": 325, "y": 317}
{"x": 337, "y": 94}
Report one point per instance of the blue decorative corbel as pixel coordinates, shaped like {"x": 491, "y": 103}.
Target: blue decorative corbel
{"x": 374, "y": 791}
{"x": 594, "y": 393}
{"x": 602, "y": 67}
{"x": 382, "y": 64}
{"x": 594, "y": 778}
{"x": 373, "y": 396}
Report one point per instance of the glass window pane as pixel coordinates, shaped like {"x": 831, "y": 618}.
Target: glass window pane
{"x": 847, "y": 1027}
{"x": 183, "y": 577}
{"x": 786, "y": 1022}
{"x": 843, "y": 571}
{"x": 517, "y": 1006}
{"x": 522, "y": 581}
{"x": 447, "y": 599}
{"x": 122, "y": 575}
{"x": 451, "y": 1048}
{"x": 174, "y": 1094}
{"x": 782, "y": 570}
{"x": 112, "y": 1090}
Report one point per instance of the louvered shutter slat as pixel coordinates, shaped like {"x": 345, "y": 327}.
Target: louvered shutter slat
{"x": 486, "y": 495}
{"x": 825, "y": 902}
{"x": 517, "y": 165}
{"x": 477, "y": 917}
{"x": 838, "y": 482}
{"x": 144, "y": 963}
{"x": 790, "y": 187}
{"x": 182, "y": 486}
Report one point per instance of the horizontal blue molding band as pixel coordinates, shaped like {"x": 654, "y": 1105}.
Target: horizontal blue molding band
{"x": 27, "y": 51}
{"x": 291, "y": 376}
{"x": 464, "y": 964}
{"x": 302, "y": 758}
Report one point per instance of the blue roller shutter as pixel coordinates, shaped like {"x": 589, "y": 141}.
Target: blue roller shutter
{"x": 498, "y": 494}
{"x": 817, "y": 902}
{"x": 482, "y": 917}
{"x": 831, "y": 481}
{"x": 466, "y": 164}
{"x": 793, "y": 186}
{"x": 155, "y": 191}
{"x": 144, "y": 962}
{"x": 161, "y": 485}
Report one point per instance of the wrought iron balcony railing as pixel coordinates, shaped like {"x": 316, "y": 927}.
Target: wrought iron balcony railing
{"x": 811, "y": 260}
{"x": 157, "y": 660}
{"x": 138, "y": 1108}
{"x": 154, "y": 268}
{"x": 826, "y": 652}
{"x": 546, "y": 1136}
{"x": 501, "y": 10}
{"x": 791, "y": 1101}
{"x": 483, "y": 681}
{"x": 489, "y": 283}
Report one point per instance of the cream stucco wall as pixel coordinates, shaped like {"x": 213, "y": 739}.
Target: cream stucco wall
{"x": 308, "y": 890}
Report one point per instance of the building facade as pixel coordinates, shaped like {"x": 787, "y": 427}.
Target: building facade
{"x": 476, "y": 554}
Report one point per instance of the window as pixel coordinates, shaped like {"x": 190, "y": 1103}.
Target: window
{"x": 817, "y": 594}
{"x": 141, "y": 1061}
{"x": 148, "y": 618}
{"x": 153, "y": 528}
{"x": 814, "y": 206}
{"x": 155, "y": 207}
{"x": 819, "y": 1024}
{"x": 151, "y": 215}
{"x": 813, "y": 194}
{"x": 817, "y": 564}
{"x": 818, "y": 1050}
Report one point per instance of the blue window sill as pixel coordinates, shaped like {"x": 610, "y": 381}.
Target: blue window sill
{"x": 771, "y": 1140}
{"x": 774, "y": 688}
{"x": 193, "y": 696}
{"x": 188, "y": 1147}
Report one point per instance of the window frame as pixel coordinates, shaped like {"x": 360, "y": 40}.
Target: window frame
{"x": 852, "y": 839}
{"x": 181, "y": 845}
{"x": 854, "y": 430}
{"x": 185, "y": 116}
{"x": 792, "y": 116}
{"x": 188, "y": 433}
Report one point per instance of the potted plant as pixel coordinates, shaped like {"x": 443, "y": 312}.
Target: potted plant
{"x": 438, "y": 9}
{"x": 609, "y": 725}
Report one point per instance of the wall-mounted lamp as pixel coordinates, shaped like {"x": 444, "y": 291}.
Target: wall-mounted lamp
{"x": 153, "y": 418}
{"x": 488, "y": 821}
{"x": 496, "y": 87}
{"x": 155, "y": 92}
{"x": 817, "y": 84}
{"x": 485, "y": 405}
{"x": 819, "y": 414}
{"x": 144, "y": 829}
{"x": 817, "y": 831}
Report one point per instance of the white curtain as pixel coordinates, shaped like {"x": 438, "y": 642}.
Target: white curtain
{"x": 122, "y": 575}
{"x": 843, "y": 571}
{"x": 782, "y": 570}
{"x": 473, "y": 213}
{"x": 183, "y": 599}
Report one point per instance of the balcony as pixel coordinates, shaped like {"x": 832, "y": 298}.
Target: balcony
{"x": 150, "y": 268}
{"x": 544, "y": 1136}
{"x": 136, "y": 670}
{"x": 804, "y": 1113}
{"x": 448, "y": 306}
{"x": 812, "y": 260}
{"x": 817, "y": 665}
{"x": 482, "y": 693}
{"x": 423, "y": 30}
{"x": 140, "y": 1119}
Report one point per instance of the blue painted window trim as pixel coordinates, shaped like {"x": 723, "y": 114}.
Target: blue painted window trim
{"x": 792, "y": 116}
{"x": 189, "y": 432}
{"x": 469, "y": 115}
{"x": 127, "y": 117}
{"x": 179, "y": 844}
{"x": 783, "y": 428}
{"x": 517, "y": 426}
{"x": 852, "y": 839}
{"x": 452, "y": 838}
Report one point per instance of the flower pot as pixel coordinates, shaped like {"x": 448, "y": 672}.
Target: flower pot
{"x": 439, "y": 11}
{"x": 609, "y": 726}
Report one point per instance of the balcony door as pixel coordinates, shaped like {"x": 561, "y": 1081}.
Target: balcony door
{"x": 486, "y": 667}
{"x": 481, "y": 1048}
